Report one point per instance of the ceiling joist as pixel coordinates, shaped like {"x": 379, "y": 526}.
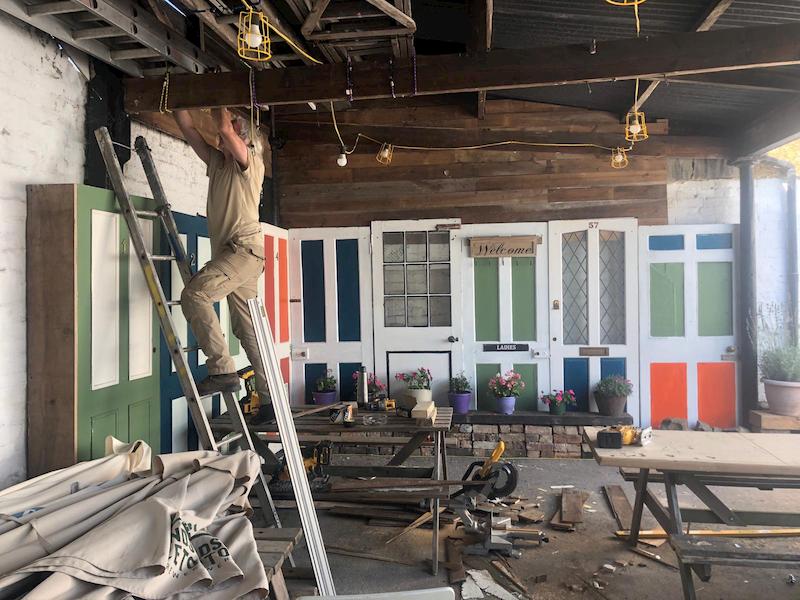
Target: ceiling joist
{"x": 656, "y": 57}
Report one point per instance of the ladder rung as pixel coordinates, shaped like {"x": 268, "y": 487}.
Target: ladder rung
{"x": 147, "y": 213}
{"x": 190, "y": 348}
{"x": 173, "y": 302}
{"x": 161, "y": 257}
{"x": 230, "y": 439}
{"x": 97, "y": 33}
{"x": 54, "y": 8}
{"x": 134, "y": 53}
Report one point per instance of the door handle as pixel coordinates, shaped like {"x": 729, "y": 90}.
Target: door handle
{"x": 452, "y": 339}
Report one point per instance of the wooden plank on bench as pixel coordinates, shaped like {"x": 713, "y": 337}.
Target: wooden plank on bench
{"x": 289, "y": 534}
{"x": 761, "y": 420}
{"x": 272, "y": 546}
{"x": 694, "y": 549}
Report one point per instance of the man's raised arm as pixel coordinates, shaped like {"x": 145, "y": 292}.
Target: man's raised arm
{"x": 230, "y": 137}
{"x": 192, "y": 136}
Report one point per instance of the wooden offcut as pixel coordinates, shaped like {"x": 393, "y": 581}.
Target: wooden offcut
{"x": 765, "y": 421}
{"x": 572, "y": 505}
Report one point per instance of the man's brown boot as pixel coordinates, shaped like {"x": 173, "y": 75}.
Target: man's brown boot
{"x": 215, "y": 384}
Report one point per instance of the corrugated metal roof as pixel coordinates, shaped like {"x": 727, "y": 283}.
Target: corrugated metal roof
{"x": 693, "y": 108}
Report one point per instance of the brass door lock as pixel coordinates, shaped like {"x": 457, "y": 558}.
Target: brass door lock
{"x": 556, "y": 305}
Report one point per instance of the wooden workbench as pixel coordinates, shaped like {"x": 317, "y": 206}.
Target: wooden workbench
{"x": 699, "y": 460}
{"x": 311, "y": 420}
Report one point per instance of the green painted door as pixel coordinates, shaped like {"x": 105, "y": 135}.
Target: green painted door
{"x": 118, "y": 387}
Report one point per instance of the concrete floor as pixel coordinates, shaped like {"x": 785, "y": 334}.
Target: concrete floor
{"x": 568, "y": 558}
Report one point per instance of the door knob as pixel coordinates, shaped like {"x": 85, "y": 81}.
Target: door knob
{"x": 452, "y": 339}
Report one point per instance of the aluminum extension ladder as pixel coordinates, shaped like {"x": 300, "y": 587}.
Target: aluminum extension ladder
{"x": 147, "y": 260}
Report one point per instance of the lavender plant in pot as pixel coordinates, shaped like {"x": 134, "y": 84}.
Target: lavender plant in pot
{"x": 611, "y": 394}
{"x": 558, "y": 400}
{"x": 780, "y": 370}
{"x": 506, "y": 389}
{"x": 460, "y": 394}
{"x": 325, "y": 389}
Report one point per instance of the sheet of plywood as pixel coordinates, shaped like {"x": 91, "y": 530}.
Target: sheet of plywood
{"x": 709, "y": 452}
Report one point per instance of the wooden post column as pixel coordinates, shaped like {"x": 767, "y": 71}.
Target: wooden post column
{"x": 748, "y": 300}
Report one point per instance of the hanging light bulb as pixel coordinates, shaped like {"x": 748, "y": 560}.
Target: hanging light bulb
{"x": 385, "y": 154}
{"x": 341, "y": 160}
{"x": 619, "y": 158}
{"x": 635, "y": 127}
{"x": 253, "y": 36}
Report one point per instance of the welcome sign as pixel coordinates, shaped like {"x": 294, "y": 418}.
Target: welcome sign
{"x": 521, "y": 245}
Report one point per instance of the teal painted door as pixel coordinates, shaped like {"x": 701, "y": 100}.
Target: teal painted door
{"x": 118, "y": 387}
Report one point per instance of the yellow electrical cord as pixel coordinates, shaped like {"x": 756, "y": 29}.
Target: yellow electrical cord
{"x": 364, "y": 136}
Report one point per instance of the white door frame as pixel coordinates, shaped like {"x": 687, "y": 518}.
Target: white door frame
{"x": 331, "y": 351}
{"x": 539, "y": 350}
{"x": 629, "y": 350}
{"x": 406, "y": 339}
{"x": 691, "y": 348}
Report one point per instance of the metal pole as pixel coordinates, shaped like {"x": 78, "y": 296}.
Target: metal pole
{"x": 748, "y": 299}
{"x": 291, "y": 448}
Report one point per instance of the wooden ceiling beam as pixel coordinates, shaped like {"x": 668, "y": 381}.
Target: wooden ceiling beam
{"x": 711, "y": 15}
{"x": 313, "y": 18}
{"x": 395, "y": 13}
{"x": 653, "y": 57}
{"x": 481, "y": 13}
{"x": 772, "y": 129}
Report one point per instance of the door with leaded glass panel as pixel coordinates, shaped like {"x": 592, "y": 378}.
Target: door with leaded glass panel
{"x": 593, "y": 306}
{"x": 417, "y": 300}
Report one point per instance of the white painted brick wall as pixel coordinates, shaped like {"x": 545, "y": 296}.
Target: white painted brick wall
{"x": 42, "y": 100}
{"x": 182, "y": 173}
{"x": 42, "y": 104}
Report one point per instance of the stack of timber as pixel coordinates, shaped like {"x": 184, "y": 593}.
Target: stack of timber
{"x": 499, "y": 184}
{"x": 570, "y": 512}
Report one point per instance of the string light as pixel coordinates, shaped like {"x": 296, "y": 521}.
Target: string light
{"x": 385, "y": 154}
{"x": 619, "y": 158}
{"x": 341, "y": 160}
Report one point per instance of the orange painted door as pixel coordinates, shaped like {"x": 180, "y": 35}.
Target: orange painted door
{"x": 688, "y": 324}
{"x": 274, "y": 289}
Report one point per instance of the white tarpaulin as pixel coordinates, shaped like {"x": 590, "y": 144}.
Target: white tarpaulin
{"x": 115, "y": 528}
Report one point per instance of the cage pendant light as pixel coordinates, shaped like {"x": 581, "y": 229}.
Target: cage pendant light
{"x": 626, "y": 2}
{"x": 252, "y": 42}
{"x": 385, "y": 154}
{"x": 635, "y": 127}
{"x": 619, "y": 158}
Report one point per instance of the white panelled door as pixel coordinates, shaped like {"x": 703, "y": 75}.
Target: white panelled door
{"x": 593, "y": 306}
{"x": 417, "y": 300}
{"x": 505, "y": 314}
{"x": 687, "y": 303}
{"x": 331, "y": 307}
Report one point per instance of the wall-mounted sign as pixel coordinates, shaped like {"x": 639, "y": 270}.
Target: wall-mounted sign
{"x": 520, "y": 245}
{"x": 593, "y": 351}
{"x": 506, "y": 347}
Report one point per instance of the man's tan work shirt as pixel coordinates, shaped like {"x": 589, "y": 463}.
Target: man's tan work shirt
{"x": 232, "y": 206}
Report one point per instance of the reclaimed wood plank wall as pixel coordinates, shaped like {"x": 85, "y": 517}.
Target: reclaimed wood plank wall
{"x": 487, "y": 185}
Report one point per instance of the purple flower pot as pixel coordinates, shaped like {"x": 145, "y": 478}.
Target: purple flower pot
{"x": 460, "y": 402}
{"x": 323, "y": 398}
{"x": 506, "y": 405}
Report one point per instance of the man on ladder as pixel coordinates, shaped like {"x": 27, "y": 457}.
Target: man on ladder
{"x": 235, "y": 176}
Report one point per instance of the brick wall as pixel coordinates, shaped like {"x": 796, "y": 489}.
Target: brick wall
{"x": 522, "y": 441}
{"x": 42, "y": 104}
{"x": 42, "y": 100}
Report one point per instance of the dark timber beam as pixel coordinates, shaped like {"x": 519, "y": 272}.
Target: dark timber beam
{"x": 711, "y": 15}
{"x": 481, "y": 13}
{"x": 665, "y": 56}
{"x": 772, "y": 129}
{"x": 747, "y": 293}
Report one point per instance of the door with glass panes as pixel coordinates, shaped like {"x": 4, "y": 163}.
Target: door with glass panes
{"x": 594, "y": 328}
{"x": 416, "y": 300}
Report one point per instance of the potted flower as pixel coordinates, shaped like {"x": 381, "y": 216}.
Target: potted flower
{"x": 506, "y": 388}
{"x": 558, "y": 400}
{"x": 418, "y": 385}
{"x": 780, "y": 370}
{"x": 460, "y": 394}
{"x": 375, "y": 387}
{"x": 325, "y": 389}
{"x": 611, "y": 394}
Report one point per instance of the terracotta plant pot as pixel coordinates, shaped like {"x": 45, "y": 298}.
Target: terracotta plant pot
{"x": 460, "y": 401}
{"x": 324, "y": 398}
{"x": 558, "y": 409}
{"x": 611, "y": 406}
{"x": 783, "y": 397}
{"x": 506, "y": 405}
